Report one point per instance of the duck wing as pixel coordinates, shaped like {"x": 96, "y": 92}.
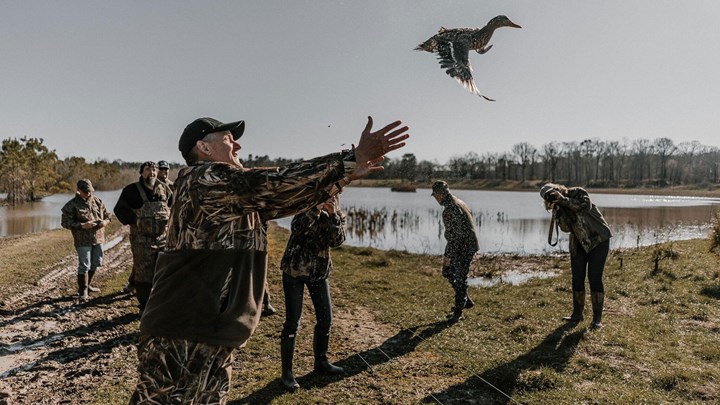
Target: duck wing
{"x": 453, "y": 57}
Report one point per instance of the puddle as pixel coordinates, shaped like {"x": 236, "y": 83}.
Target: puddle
{"x": 112, "y": 243}
{"x": 510, "y": 277}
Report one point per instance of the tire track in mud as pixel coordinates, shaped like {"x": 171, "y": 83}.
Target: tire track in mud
{"x": 54, "y": 350}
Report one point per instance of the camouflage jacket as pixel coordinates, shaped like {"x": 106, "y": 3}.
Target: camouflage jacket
{"x": 579, "y": 216}
{"x": 209, "y": 282}
{"x": 307, "y": 255}
{"x": 459, "y": 228}
{"x": 77, "y": 211}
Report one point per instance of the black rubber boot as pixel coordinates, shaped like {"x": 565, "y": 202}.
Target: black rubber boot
{"x": 456, "y": 315}
{"x": 469, "y": 303}
{"x": 142, "y": 293}
{"x": 320, "y": 347}
{"x": 90, "y": 288}
{"x": 287, "y": 349}
{"x": 578, "y": 307}
{"x": 267, "y": 308}
{"x": 82, "y": 287}
{"x": 598, "y": 300}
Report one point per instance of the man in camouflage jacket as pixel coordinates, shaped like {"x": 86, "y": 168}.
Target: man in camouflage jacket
{"x": 209, "y": 283}
{"x": 462, "y": 243}
{"x": 86, "y": 216}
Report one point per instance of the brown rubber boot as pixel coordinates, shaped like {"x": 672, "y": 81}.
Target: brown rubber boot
{"x": 82, "y": 287}
{"x": 578, "y": 307}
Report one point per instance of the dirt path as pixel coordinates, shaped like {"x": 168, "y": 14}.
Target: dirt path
{"x": 51, "y": 346}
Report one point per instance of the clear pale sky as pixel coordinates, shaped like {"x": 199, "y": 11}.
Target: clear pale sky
{"x": 121, "y": 79}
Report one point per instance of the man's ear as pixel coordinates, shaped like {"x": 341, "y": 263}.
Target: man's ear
{"x": 202, "y": 147}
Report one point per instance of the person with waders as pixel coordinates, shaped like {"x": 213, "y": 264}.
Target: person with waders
{"x": 462, "y": 243}
{"x": 145, "y": 206}
{"x": 573, "y": 212}
{"x": 307, "y": 263}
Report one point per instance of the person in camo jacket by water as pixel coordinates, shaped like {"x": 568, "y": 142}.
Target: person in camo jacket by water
{"x": 462, "y": 243}
{"x": 86, "y": 216}
{"x": 307, "y": 263}
{"x": 209, "y": 283}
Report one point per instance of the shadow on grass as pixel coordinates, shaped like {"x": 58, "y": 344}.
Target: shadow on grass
{"x": 712, "y": 291}
{"x": 398, "y": 345}
{"x": 553, "y": 352}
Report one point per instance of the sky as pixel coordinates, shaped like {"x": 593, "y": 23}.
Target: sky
{"x": 121, "y": 79}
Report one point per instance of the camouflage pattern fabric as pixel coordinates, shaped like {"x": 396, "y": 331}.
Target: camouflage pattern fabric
{"x": 177, "y": 371}
{"x": 583, "y": 219}
{"x": 148, "y": 234}
{"x": 220, "y": 206}
{"x": 459, "y": 228}
{"x": 307, "y": 255}
{"x": 78, "y": 211}
{"x": 462, "y": 243}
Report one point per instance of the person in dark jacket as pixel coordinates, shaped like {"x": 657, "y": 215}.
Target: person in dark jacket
{"x": 589, "y": 245}
{"x": 209, "y": 283}
{"x": 307, "y": 263}
{"x": 86, "y": 216}
{"x": 462, "y": 243}
{"x": 145, "y": 206}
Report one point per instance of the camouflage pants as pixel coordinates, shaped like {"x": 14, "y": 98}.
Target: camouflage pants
{"x": 456, "y": 274}
{"x": 177, "y": 371}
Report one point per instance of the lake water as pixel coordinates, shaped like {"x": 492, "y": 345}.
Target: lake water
{"x": 507, "y": 221}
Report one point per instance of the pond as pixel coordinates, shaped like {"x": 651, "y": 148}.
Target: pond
{"x": 507, "y": 221}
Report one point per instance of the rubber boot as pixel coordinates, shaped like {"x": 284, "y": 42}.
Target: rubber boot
{"x": 142, "y": 293}
{"x": 469, "y": 303}
{"x": 82, "y": 280}
{"x": 598, "y": 300}
{"x": 90, "y": 288}
{"x": 287, "y": 349}
{"x": 267, "y": 308}
{"x": 455, "y": 316}
{"x": 320, "y": 347}
{"x": 578, "y": 307}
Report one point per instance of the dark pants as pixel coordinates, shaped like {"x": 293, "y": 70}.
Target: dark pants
{"x": 319, "y": 294}
{"x": 456, "y": 274}
{"x": 591, "y": 263}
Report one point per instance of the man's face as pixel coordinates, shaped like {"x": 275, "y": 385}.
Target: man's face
{"x": 439, "y": 198}
{"x": 149, "y": 172}
{"x": 84, "y": 194}
{"x": 221, "y": 147}
{"x": 162, "y": 174}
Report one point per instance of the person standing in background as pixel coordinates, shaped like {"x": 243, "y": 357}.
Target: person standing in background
{"x": 145, "y": 206}
{"x": 86, "y": 216}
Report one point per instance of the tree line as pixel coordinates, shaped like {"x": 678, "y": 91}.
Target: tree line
{"x": 590, "y": 163}
{"x": 30, "y": 170}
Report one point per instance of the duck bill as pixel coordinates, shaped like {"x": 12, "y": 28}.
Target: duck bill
{"x": 512, "y": 24}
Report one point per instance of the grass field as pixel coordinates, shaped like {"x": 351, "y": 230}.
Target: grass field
{"x": 659, "y": 343}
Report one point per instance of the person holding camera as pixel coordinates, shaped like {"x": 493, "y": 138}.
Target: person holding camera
{"x": 86, "y": 216}
{"x": 573, "y": 212}
{"x": 145, "y": 206}
{"x": 307, "y": 263}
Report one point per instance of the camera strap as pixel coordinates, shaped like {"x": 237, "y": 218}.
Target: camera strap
{"x": 554, "y": 223}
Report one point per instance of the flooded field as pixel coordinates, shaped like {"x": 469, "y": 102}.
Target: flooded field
{"x": 506, "y": 221}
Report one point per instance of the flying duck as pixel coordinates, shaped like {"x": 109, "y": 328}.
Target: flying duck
{"x": 453, "y": 46}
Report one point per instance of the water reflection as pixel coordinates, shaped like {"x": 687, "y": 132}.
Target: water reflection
{"x": 510, "y": 277}
{"x": 507, "y": 221}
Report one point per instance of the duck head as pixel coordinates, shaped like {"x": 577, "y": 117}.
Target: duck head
{"x": 502, "y": 21}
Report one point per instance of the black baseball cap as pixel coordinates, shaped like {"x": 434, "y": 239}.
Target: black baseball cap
{"x": 201, "y": 127}
{"x": 440, "y": 188}
{"x": 163, "y": 165}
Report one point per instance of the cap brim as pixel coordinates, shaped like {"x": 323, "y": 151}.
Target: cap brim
{"x": 236, "y": 128}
